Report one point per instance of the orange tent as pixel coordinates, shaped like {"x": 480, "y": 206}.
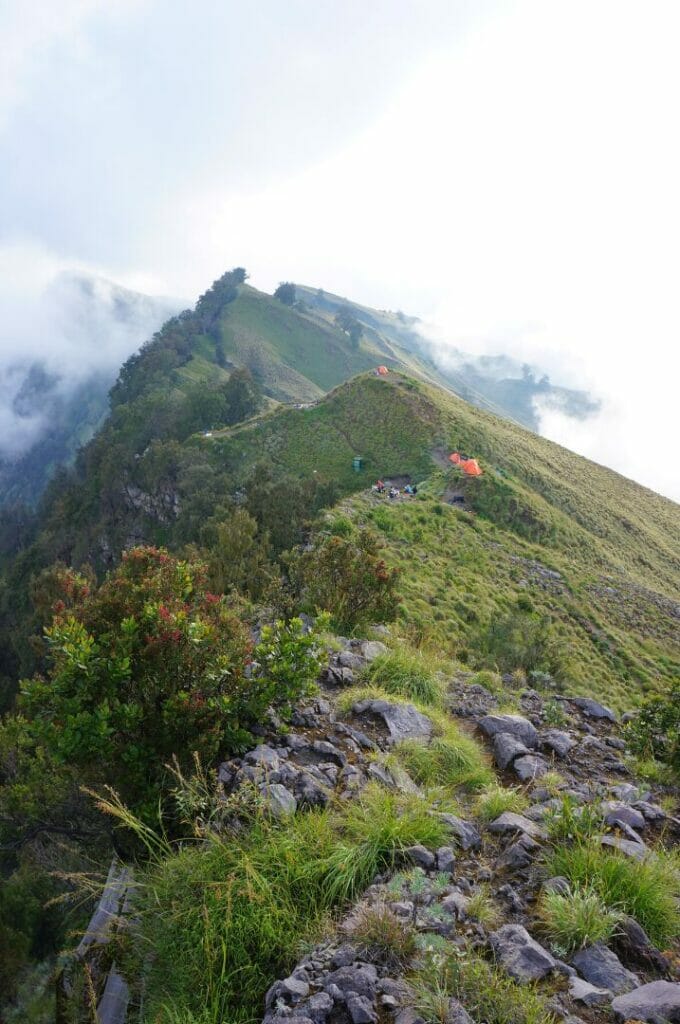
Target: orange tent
{"x": 382, "y": 371}
{"x": 471, "y": 467}
{"x": 455, "y": 459}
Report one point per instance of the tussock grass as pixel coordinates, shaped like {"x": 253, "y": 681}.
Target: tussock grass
{"x": 451, "y": 759}
{"x": 647, "y": 890}
{"x": 224, "y": 918}
{"x": 384, "y": 937}
{"x": 496, "y": 799}
{"x": 576, "y": 919}
{"x": 487, "y": 993}
{"x": 408, "y": 673}
{"x": 481, "y": 907}
{"x": 572, "y": 822}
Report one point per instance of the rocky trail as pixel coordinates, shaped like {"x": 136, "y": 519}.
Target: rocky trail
{"x": 477, "y": 894}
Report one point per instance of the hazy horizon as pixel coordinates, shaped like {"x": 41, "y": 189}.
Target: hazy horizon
{"x": 505, "y": 171}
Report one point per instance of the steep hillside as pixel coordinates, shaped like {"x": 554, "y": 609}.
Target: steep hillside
{"x": 497, "y": 383}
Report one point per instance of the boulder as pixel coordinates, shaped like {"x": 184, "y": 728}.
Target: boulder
{"x": 531, "y": 766}
{"x": 516, "y": 725}
{"x": 657, "y": 1001}
{"x": 466, "y": 833}
{"x": 583, "y": 992}
{"x": 602, "y": 968}
{"x": 456, "y": 1013}
{"x": 521, "y": 956}
{"x": 559, "y": 742}
{"x": 402, "y": 721}
{"x": 631, "y": 849}
{"x": 263, "y": 756}
{"x": 372, "y": 649}
{"x": 360, "y": 1009}
{"x": 278, "y": 800}
{"x": 557, "y": 884}
{"x": 508, "y": 821}
{"x": 506, "y": 748}
{"x": 361, "y": 981}
{"x": 592, "y": 709}
{"x": 421, "y": 857}
{"x": 620, "y": 814}
{"x": 446, "y": 859}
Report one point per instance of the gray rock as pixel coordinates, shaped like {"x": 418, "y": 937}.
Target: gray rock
{"x": 279, "y": 800}
{"x": 319, "y": 1006}
{"x": 625, "y": 792}
{"x": 558, "y": 884}
{"x": 623, "y": 814}
{"x": 583, "y": 992}
{"x": 310, "y": 793}
{"x": 403, "y": 721}
{"x": 521, "y": 956}
{"x": 602, "y": 968}
{"x": 465, "y": 832}
{"x": 294, "y": 989}
{"x": 408, "y": 1016}
{"x": 518, "y": 855}
{"x": 456, "y": 905}
{"x": 657, "y": 1001}
{"x": 593, "y": 709}
{"x": 361, "y": 1009}
{"x": 651, "y": 812}
{"x": 372, "y": 649}
{"x": 508, "y": 821}
{"x": 506, "y": 748}
{"x": 559, "y": 742}
{"x": 421, "y": 857}
{"x": 360, "y": 981}
{"x": 532, "y": 766}
{"x": 344, "y": 955}
{"x": 347, "y": 659}
{"x": 263, "y": 756}
{"x": 446, "y": 859}
{"x": 631, "y": 849}
{"x": 456, "y": 1013}
{"x": 519, "y": 727}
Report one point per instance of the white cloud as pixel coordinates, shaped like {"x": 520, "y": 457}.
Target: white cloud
{"x": 508, "y": 171}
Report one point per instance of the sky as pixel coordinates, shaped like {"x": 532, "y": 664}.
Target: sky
{"x": 508, "y": 171}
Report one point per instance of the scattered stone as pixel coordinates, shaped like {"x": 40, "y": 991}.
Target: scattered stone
{"x": 583, "y": 992}
{"x": 465, "y": 832}
{"x": 631, "y": 849}
{"x": 602, "y": 968}
{"x": 532, "y": 766}
{"x": 446, "y": 859}
{"x": 372, "y": 649}
{"x": 521, "y": 956}
{"x": 623, "y": 814}
{"x": 593, "y": 709}
{"x": 421, "y": 857}
{"x": 651, "y": 812}
{"x": 456, "y": 1013}
{"x": 279, "y": 800}
{"x": 319, "y": 1006}
{"x": 557, "y": 884}
{"x": 508, "y": 821}
{"x": 506, "y": 748}
{"x": 633, "y": 944}
{"x": 657, "y": 1001}
{"x": 517, "y": 726}
{"x": 403, "y": 721}
{"x": 559, "y": 742}
{"x": 361, "y": 1009}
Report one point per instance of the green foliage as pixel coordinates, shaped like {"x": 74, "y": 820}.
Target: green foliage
{"x": 655, "y": 730}
{"x": 347, "y": 322}
{"x": 496, "y": 799}
{"x": 348, "y": 577}
{"x": 521, "y": 641}
{"x": 285, "y": 293}
{"x": 283, "y": 505}
{"x": 573, "y": 822}
{"x": 226, "y": 917}
{"x": 648, "y": 890}
{"x": 576, "y": 919}
{"x": 288, "y": 661}
{"x": 487, "y": 993}
{"x": 409, "y": 673}
{"x": 451, "y": 759}
{"x": 236, "y": 554}
{"x": 384, "y": 937}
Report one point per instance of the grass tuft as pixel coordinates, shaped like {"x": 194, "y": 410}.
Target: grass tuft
{"x": 451, "y": 759}
{"x": 648, "y": 890}
{"x": 576, "y": 919}
{"x": 496, "y": 799}
{"x": 408, "y": 673}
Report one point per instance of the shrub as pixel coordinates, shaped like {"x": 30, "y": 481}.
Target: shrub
{"x": 648, "y": 890}
{"x": 576, "y": 919}
{"x": 521, "y": 640}
{"x": 347, "y": 577}
{"x": 496, "y": 799}
{"x": 407, "y": 673}
{"x": 655, "y": 731}
{"x": 572, "y": 822}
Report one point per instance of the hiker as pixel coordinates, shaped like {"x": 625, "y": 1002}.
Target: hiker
{"x": 408, "y": 489}
{"x": 380, "y": 487}
{"x": 394, "y": 493}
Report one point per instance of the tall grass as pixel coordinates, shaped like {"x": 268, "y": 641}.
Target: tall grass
{"x": 496, "y": 799}
{"x": 224, "y": 918}
{"x": 648, "y": 890}
{"x": 450, "y": 759}
{"x": 408, "y": 673}
{"x": 576, "y": 919}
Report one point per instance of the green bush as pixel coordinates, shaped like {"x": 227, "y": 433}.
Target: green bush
{"x": 655, "y": 730}
{"x": 451, "y": 759}
{"x": 348, "y": 577}
{"x": 648, "y": 890}
{"x": 576, "y": 919}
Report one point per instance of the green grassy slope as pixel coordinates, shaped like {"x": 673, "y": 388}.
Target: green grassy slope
{"x": 614, "y": 543}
